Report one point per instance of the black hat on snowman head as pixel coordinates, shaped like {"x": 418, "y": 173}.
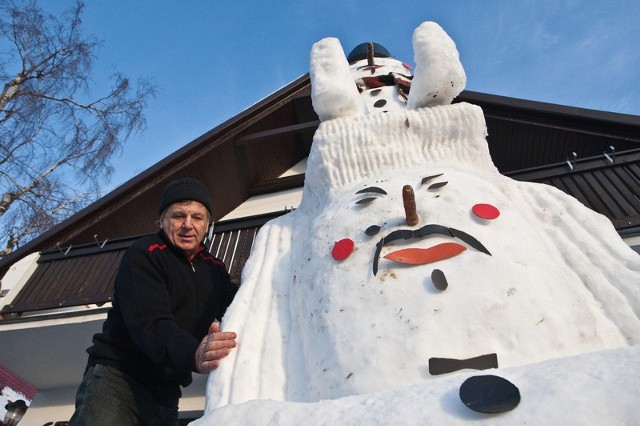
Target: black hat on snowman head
{"x": 360, "y": 52}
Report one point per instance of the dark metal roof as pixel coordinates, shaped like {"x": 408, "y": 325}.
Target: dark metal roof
{"x": 608, "y": 184}
{"x": 246, "y": 155}
{"x": 526, "y": 134}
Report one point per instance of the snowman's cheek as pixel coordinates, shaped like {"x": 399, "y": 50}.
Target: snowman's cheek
{"x": 485, "y": 211}
{"x": 342, "y": 249}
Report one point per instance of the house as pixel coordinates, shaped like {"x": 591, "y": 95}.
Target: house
{"x": 57, "y": 288}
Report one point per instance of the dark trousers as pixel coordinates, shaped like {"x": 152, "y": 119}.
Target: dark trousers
{"x": 110, "y": 397}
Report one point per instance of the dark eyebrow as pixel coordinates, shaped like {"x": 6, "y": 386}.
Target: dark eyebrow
{"x": 373, "y": 189}
{"x": 429, "y": 178}
{"x": 365, "y": 201}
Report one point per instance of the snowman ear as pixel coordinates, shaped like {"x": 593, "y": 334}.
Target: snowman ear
{"x": 333, "y": 91}
{"x": 439, "y": 76}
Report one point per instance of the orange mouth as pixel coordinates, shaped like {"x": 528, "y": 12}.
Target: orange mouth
{"x": 419, "y": 256}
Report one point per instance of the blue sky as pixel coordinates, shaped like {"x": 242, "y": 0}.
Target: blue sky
{"x": 213, "y": 59}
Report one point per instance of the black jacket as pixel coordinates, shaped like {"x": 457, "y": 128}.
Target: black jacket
{"x": 163, "y": 306}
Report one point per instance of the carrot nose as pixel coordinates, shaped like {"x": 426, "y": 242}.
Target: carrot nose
{"x": 409, "y": 201}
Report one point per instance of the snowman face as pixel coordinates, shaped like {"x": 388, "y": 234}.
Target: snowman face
{"x": 377, "y": 234}
{"x": 402, "y": 303}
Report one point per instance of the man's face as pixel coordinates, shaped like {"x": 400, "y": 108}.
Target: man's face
{"x": 185, "y": 224}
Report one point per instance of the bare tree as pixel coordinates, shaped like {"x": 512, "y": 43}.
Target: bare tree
{"x": 55, "y": 143}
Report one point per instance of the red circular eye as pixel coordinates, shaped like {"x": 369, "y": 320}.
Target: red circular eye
{"x": 342, "y": 249}
{"x": 486, "y": 211}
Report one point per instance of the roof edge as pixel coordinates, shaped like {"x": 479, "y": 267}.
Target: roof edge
{"x": 145, "y": 179}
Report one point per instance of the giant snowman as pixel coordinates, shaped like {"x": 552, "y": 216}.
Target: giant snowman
{"x": 412, "y": 263}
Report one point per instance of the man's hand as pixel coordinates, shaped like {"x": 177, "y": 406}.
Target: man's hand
{"x": 213, "y": 347}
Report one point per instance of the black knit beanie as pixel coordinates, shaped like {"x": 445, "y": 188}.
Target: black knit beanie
{"x": 183, "y": 190}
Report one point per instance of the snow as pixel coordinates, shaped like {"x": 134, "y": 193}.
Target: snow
{"x": 322, "y": 341}
{"x": 587, "y": 389}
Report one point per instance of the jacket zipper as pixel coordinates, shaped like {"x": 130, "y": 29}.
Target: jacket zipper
{"x": 190, "y": 259}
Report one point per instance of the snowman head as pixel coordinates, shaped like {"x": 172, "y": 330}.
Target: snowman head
{"x": 439, "y": 76}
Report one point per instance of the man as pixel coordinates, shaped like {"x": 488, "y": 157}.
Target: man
{"x": 169, "y": 293}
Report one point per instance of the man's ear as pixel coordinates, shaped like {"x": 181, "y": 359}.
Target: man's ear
{"x": 209, "y": 237}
